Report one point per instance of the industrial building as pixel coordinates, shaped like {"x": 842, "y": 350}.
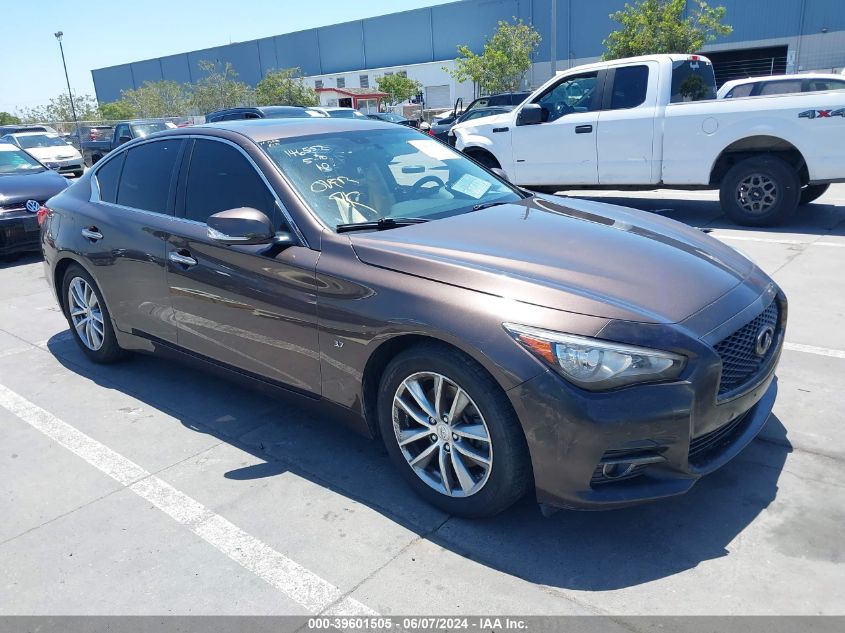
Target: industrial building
{"x": 769, "y": 37}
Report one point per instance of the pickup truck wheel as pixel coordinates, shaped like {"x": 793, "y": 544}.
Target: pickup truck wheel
{"x": 813, "y": 192}
{"x": 451, "y": 432}
{"x": 485, "y": 159}
{"x": 760, "y": 191}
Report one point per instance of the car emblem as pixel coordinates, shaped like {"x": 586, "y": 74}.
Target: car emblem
{"x": 32, "y": 206}
{"x": 764, "y": 340}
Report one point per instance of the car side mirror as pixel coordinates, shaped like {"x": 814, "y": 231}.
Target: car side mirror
{"x": 531, "y": 114}
{"x": 124, "y": 139}
{"x": 240, "y": 226}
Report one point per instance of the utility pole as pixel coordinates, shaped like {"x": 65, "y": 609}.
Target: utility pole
{"x": 553, "y": 38}
{"x": 59, "y": 35}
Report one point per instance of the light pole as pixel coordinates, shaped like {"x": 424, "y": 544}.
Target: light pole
{"x": 59, "y": 35}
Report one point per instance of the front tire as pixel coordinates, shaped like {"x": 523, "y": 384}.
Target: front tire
{"x": 760, "y": 191}
{"x": 452, "y": 433}
{"x": 88, "y": 316}
{"x": 812, "y": 192}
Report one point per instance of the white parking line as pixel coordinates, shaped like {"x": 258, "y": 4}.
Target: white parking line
{"x": 301, "y": 585}
{"x": 743, "y": 238}
{"x": 812, "y": 349}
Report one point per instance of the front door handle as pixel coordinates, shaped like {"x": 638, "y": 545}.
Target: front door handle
{"x": 92, "y": 234}
{"x": 583, "y": 129}
{"x": 183, "y": 260}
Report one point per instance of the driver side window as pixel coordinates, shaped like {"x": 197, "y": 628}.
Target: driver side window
{"x": 573, "y": 94}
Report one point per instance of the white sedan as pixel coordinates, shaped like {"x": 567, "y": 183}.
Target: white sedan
{"x": 49, "y": 149}
{"x": 780, "y": 84}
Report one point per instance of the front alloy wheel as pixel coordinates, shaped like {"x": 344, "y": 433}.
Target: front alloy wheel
{"x": 441, "y": 415}
{"x": 442, "y": 434}
{"x": 85, "y": 314}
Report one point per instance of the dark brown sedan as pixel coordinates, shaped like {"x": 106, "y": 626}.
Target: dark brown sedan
{"x": 497, "y": 341}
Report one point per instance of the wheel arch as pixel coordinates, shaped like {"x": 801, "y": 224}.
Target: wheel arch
{"x": 477, "y": 151}
{"x": 386, "y": 351}
{"x": 755, "y": 146}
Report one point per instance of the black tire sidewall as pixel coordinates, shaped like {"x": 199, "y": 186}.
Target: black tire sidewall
{"x": 110, "y": 350}
{"x": 786, "y": 179}
{"x": 510, "y": 476}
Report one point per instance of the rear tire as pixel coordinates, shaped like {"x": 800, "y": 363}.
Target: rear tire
{"x": 453, "y": 445}
{"x": 760, "y": 191}
{"x": 812, "y": 192}
{"x": 88, "y": 317}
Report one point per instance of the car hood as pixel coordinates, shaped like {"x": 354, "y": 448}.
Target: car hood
{"x": 492, "y": 120}
{"x": 53, "y": 153}
{"x": 566, "y": 254}
{"x": 36, "y": 186}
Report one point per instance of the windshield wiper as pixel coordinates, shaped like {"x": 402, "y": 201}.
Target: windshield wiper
{"x": 379, "y": 225}
{"x": 487, "y": 205}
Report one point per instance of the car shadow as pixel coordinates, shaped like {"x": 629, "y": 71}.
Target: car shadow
{"x": 19, "y": 259}
{"x": 816, "y": 218}
{"x": 591, "y": 551}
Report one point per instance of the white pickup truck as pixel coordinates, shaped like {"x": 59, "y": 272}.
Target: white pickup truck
{"x": 654, "y": 121}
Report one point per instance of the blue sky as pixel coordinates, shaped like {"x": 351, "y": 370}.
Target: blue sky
{"x": 98, "y": 34}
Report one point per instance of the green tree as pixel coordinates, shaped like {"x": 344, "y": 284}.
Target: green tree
{"x": 117, "y": 111}
{"x": 219, "y": 88}
{"x": 157, "y": 99}
{"x": 506, "y": 58}
{"x": 59, "y": 110}
{"x": 285, "y": 87}
{"x": 8, "y": 119}
{"x": 660, "y": 26}
{"x": 398, "y": 87}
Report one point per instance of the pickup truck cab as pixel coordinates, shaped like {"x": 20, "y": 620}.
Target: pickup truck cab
{"x": 125, "y": 131}
{"x": 653, "y": 121}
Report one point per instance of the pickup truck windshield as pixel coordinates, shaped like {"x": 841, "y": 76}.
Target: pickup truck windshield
{"x": 370, "y": 174}
{"x": 145, "y": 129}
{"x": 693, "y": 80}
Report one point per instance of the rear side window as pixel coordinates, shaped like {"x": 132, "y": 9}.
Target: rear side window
{"x": 147, "y": 176}
{"x": 781, "y": 87}
{"x": 693, "y": 80}
{"x": 826, "y": 84}
{"x": 108, "y": 176}
{"x": 221, "y": 178}
{"x": 630, "y": 85}
{"x": 742, "y": 90}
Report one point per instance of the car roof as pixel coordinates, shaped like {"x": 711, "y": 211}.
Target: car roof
{"x": 766, "y": 78}
{"x": 260, "y": 130}
{"x": 34, "y": 133}
{"x": 8, "y": 147}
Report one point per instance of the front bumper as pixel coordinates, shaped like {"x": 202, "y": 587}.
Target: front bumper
{"x": 19, "y": 233}
{"x": 67, "y": 166}
{"x": 603, "y": 450}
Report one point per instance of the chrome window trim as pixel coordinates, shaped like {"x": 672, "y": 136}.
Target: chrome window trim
{"x": 139, "y": 142}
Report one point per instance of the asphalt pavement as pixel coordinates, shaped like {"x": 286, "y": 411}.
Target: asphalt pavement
{"x": 149, "y": 487}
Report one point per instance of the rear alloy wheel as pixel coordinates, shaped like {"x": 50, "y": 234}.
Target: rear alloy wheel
{"x": 760, "y": 191}
{"x": 812, "y": 192}
{"x": 452, "y": 433}
{"x": 88, "y": 316}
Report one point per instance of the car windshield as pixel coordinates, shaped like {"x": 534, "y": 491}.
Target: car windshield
{"x": 30, "y": 141}
{"x": 346, "y": 114}
{"x": 18, "y": 162}
{"x": 145, "y": 129}
{"x": 366, "y": 175}
{"x": 389, "y": 116}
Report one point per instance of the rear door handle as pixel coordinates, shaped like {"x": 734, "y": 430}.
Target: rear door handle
{"x": 583, "y": 129}
{"x": 183, "y": 260}
{"x": 92, "y": 234}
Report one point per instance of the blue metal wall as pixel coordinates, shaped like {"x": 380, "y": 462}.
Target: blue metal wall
{"x": 433, "y": 34}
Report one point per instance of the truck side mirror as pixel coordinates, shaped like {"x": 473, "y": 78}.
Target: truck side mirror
{"x": 531, "y": 114}
{"x": 124, "y": 139}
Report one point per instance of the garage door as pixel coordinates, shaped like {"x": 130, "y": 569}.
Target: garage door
{"x": 437, "y": 97}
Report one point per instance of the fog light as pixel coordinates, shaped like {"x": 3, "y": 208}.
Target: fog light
{"x": 616, "y": 471}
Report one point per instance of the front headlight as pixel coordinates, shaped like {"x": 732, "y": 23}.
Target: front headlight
{"x": 597, "y": 365}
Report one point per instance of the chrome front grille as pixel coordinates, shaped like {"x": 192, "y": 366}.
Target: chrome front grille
{"x": 740, "y": 362}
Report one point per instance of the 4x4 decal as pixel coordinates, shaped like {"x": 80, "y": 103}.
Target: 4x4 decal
{"x": 821, "y": 114}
